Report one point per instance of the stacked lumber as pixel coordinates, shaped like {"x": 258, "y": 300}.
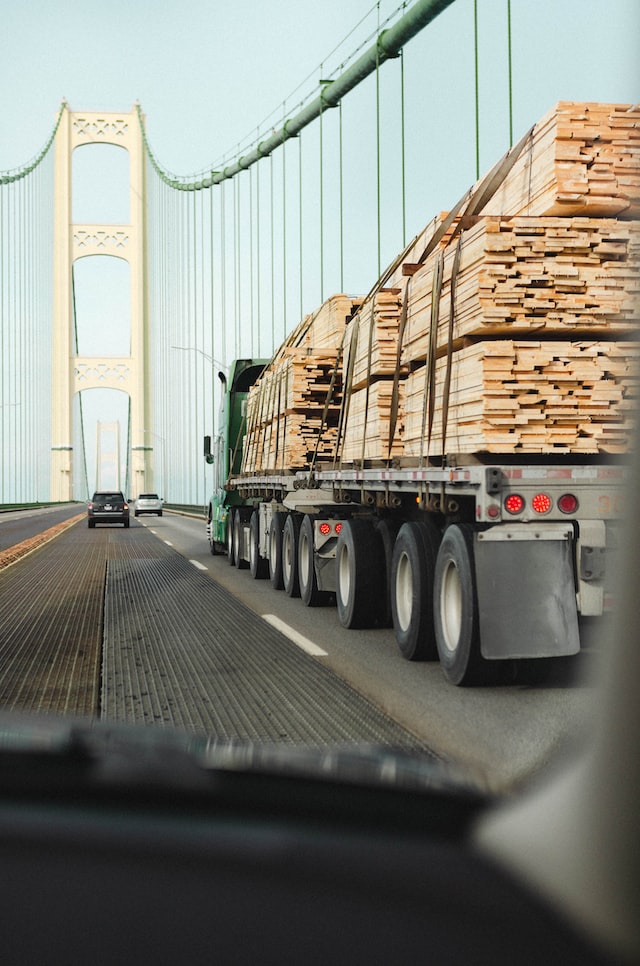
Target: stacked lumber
{"x": 293, "y": 410}
{"x": 509, "y": 396}
{"x": 525, "y": 274}
{"x": 371, "y": 339}
{"x": 324, "y": 328}
{"x": 366, "y": 434}
{"x": 582, "y": 158}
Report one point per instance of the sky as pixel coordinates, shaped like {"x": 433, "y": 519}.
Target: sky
{"x": 212, "y": 75}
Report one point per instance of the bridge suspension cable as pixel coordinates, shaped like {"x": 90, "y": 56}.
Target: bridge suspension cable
{"x": 26, "y": 259}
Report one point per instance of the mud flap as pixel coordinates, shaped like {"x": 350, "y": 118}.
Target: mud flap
{"x": 526, "y": 592}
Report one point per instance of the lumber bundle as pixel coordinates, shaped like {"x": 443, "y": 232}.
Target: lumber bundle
{"x": 371, "y": 338}
{"x": 522, "y": 275}
{"x": 366, "y": 434}
{"x": 324, "y": 328}
{"x": 293, "y": 409}
{"x": 509, "y": 396}
{"x": 582, "y": 158}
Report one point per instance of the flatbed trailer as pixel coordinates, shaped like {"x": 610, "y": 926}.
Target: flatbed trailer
{"x": 472, "y": 565}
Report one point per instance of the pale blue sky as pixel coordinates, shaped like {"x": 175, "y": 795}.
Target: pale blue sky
{"x": 208, "y": 72}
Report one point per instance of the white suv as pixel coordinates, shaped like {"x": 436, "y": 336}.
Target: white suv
{"x": 148, "y": 503}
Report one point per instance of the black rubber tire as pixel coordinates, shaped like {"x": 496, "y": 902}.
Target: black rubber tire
{"x": 91, "y": 524}
{"x": 359, "y": 573}
{"x": 311, "y": 595}
{"x": 290, "y": 535}
{"x": 276, "y": 527}
{"x": 238, "y": 522}
{"x": 231, "y": 519}
{"x": 456, "y": 608}
{"x": 258, "y": 566}
{"x": 388, "y": 531}
{"x": 412, "y": 575}
{"x": 126, "y": 523}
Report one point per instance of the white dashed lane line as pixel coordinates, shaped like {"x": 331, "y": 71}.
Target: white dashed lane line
{"x": 294, "y": 636}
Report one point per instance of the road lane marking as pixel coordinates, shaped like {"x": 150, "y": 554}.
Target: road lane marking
{"x": 196, "y": 563}
{"x": 168, "y": 543}
{"x": 294, "y": 636}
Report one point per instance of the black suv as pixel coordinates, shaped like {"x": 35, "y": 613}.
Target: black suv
{"x": 108, "y": 507}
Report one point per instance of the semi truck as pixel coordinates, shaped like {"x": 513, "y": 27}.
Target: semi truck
{"x": 447, "y": 455}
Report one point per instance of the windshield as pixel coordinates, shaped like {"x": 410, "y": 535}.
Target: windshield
{"x": 407, "y": 333}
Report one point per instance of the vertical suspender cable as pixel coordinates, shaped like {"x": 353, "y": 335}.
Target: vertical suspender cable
{"x": 258, "y": 267}
{"x": 284, "y": 241}
{"x": 510, "y": 73}
{"x": 300, "y": 224}
{"x": 320, "y": 121}
{"x": 212, "y": 311}
{"x": 273, "y": 274}
{"x": 341, "y": 187}
{"x": 477, "y": 100}
{"x": 402, "y": 149}
{"x": 378, "y": 172}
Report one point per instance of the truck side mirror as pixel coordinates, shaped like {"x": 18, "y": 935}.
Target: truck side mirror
{"x": 208, "y": 455}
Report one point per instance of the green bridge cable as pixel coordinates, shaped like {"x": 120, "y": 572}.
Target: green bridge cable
{"x": 9, "y": 177}
{"x": 387, "y": 45}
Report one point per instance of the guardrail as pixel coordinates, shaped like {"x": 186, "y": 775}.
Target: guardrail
{"x": 186, "y": 509}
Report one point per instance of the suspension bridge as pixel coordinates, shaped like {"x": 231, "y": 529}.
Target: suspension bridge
{"x": 218, "y": 265}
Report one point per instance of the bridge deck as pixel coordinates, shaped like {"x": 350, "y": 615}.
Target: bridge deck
{"x": 114, "y": 623}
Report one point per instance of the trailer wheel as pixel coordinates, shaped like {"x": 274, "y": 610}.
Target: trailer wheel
{"x": 388, "y": 531}
{"x": 231, "y": 519}
{"x": 238, "y": 559}
{"x": 275, "y": 550}
{"x": 412, "y": 574}
{"x": 359, "y": 573}
{"x": 311, "y": 595}
{"x": 290, "y": 536}
{"x": 258, "y": 566}
{"x": 456, "y": 607}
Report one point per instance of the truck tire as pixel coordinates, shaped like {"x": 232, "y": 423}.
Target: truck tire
{"x": 311, "y": 595}
{"x": 238, "y": 523}
{"x": 231, "y": 519}
{"x": 412, "y": 576}
{"x": 456, "y": 608}
{"x": 359, "y": 573}
{"x": 388, "y": 531}
{"x": 290, "y": 555}
{"x": 258, "y": 566}
{"x": 276, "y": 527}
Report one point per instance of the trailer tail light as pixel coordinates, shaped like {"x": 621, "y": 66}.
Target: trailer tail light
{"x": 514, "y": 503}
{"x": 541, "y": 503}
{"x": 568, "y": 503}
{"x": 325, "y": 528}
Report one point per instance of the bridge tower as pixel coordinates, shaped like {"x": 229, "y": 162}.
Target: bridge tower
{"x": 72, "y": 373}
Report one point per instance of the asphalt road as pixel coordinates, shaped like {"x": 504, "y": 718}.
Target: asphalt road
{"x": 19, "y": 525}
{"x": 504, "y": 734}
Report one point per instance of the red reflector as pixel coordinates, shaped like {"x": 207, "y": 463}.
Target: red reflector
{"x": 324, "y": 529}
{"x": 568, "y": 503}
{"x": 514, "y": 503}
{"x": 541, "y": 503}
{"x": 338, "y": 527}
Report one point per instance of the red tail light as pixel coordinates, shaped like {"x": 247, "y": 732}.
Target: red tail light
{"x": 541, "y": 503}
{"x": 514, "y": 503}
{"x": 324, "y": 528}
{"x": 338, "y": 527}
{"x": 568, "y": 503}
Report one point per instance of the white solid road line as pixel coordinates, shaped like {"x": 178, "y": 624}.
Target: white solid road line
{"x": 294, "y": 636}
{"x": 196, "y": 563}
